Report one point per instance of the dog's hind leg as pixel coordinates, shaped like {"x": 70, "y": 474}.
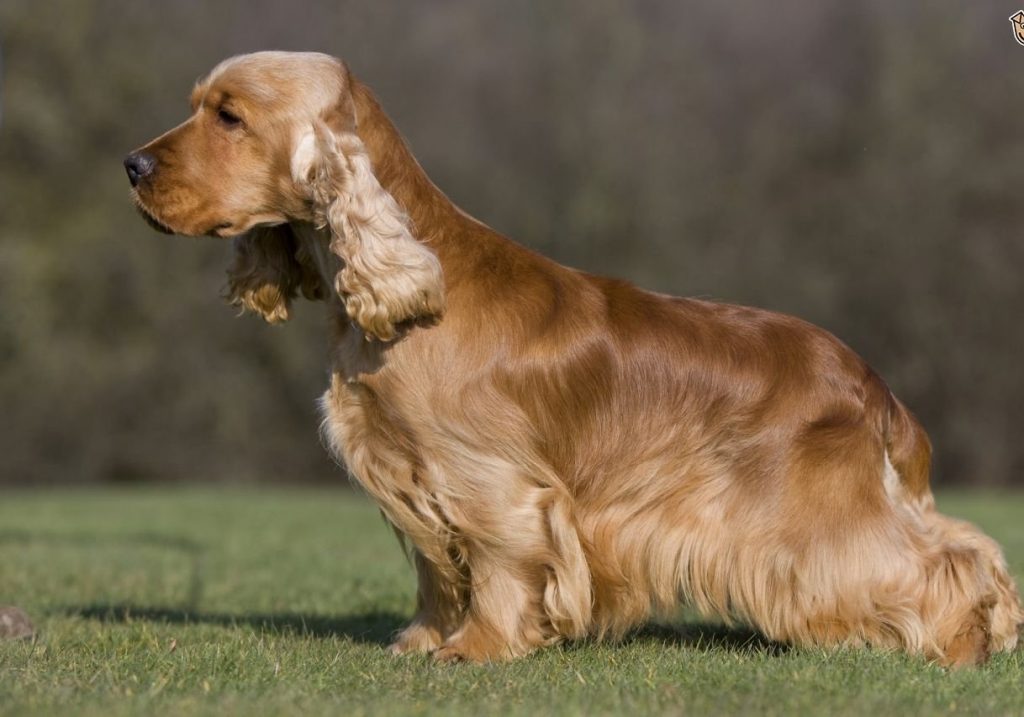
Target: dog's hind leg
{"x": 972, "y": 556}
{"x": 869, "y": 569}
{"x": 1007, "y": 617}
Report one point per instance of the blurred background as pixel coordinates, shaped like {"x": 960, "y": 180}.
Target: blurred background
{"x": 854, "y": 162}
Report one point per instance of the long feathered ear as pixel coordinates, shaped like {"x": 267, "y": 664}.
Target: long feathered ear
{"x": 387, "y": 278}
{"x": 268, "y": 271}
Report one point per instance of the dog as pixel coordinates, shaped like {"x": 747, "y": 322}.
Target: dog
{"x": 567, "y": 455}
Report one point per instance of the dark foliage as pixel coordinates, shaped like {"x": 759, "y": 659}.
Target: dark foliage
{"x": 852, "y": 162}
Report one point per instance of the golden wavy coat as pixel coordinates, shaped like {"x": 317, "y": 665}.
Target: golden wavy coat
{"x": 566, "y": 454}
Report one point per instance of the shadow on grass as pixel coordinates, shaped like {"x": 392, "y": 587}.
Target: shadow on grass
{"x": 376, "y": 628}
{"x": 708, "y": 636}
{"x": 379, "y": 628}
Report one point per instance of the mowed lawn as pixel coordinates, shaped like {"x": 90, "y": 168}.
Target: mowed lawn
{"x": 195, "y": 601}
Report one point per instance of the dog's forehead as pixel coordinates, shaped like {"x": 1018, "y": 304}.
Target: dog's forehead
{"x": 275, "y": 79}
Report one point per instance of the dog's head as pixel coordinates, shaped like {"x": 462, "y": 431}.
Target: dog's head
{"x": 273, "y": 140}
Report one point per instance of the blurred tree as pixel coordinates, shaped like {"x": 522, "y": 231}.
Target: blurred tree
{"x": 850, "y": 162}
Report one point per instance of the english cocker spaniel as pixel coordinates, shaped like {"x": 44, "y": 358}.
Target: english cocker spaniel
{"x": 565, "y": 454}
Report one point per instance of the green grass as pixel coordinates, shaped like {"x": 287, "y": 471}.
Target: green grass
{"x": 267, "y": 602}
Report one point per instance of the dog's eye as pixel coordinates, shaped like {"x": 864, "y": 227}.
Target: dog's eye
{"x": 228, "y": 119}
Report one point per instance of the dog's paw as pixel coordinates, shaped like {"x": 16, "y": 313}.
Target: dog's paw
{"x": 473, "y": 644}
{"x": 450, "y": 654}
{"x": 416, "y": 638}
{"x": 970, "y": 646}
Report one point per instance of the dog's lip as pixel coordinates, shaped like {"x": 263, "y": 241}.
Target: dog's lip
{"x": 150, "y": 218}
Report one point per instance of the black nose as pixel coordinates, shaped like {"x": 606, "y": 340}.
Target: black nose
{"x": 139, "y": 165}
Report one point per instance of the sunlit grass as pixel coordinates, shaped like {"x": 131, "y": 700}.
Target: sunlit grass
{"x": 265, "y": 602}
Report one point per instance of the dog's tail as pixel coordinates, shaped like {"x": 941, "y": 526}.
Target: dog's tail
{"x": 908, "y": 447}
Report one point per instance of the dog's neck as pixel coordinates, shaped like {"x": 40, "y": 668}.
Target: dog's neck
{"x": 400, "y": 174}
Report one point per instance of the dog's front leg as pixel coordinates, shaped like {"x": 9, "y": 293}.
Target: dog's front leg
{"x": 528, "y": 582}
{"x": 440, "y": 605}
{"x": 502, "y": 620}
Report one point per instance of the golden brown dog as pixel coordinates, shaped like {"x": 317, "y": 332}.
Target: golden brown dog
{"x": 567, "y": 454}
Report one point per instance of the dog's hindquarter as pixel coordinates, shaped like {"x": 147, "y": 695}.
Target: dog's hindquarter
{"x": 742, "y": 468}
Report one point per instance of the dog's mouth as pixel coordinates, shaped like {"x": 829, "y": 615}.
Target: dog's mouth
{"x": 150, "y": 218}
